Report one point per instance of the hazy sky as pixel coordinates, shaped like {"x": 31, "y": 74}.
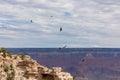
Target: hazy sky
{"x": 85, "y": 23}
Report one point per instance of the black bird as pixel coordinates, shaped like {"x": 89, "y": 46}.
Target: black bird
{"x": 51, "y": 16}
{"x": 31, "y": 21}
{"x": 62, "y": 47}
{"x": 60, "y": 29}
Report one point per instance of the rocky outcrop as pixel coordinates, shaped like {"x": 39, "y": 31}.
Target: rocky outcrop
{"x": 22, "y": 67}
{"x": 53, "y": 74}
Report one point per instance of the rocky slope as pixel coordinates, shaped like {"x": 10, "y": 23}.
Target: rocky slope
{"x": 22, "y": 67}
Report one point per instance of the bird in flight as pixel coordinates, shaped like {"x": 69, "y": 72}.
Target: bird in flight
{"x": 51, "y": 16}
{"x": 65, "y": 46}
{"x": 60, "y": 29}
{"x": 62, "y": 47}
{"x": 31, "y": 21}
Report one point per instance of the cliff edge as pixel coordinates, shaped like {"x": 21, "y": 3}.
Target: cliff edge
{"x": 23, "y": 67}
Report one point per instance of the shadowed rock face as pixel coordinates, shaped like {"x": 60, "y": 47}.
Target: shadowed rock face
{"x": 47, "y": 77}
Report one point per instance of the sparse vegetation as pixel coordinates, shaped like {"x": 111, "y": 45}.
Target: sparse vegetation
{"x": 9, "y": 71}
{"x": 4, "y": 52}
{"x": 11, "y": 67}
{"x": 22, "y": 56}
{"x": 22, "y": 68}
{"x": 6, "y": 68}
{"x": 4, "y": 55}
{"x": 15, "y": 57}
{"x": 10, "y": 76}
{"x": 9, "y": 54}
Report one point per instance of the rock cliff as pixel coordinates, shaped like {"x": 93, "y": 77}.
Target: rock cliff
{"x": 23, "y": 67}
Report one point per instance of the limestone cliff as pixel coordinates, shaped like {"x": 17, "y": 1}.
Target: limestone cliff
{"x": 23, "y": 67}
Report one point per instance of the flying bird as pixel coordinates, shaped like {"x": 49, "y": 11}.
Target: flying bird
{"x": 62, "y": 47}
{"x": 31, "y": 21}
{"x": 51, "y": 16}
{"x": 60, "y": 29}
{"x": 65, "y": 46}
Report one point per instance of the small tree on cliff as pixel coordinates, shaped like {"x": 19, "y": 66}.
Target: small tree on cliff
{"x": 4, "y": 52}
{"x": 9, "y": 54}
{"x": 22, "y": 56}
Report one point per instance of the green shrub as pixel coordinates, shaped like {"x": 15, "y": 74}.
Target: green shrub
{"x": 10, "y": 76}
{"x": 4, "y": 52}
{"x": 9, "y": 54}
{"x": 6, "y": 68}
{"x": 4, "y": 55}
{"x": 11, "y": 67}
{"x": 22, "y": 56}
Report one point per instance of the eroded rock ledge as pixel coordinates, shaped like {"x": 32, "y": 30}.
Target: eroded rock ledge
{"x": 23, "y": 67}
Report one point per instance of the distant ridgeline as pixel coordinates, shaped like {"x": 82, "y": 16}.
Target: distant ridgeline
{"x": 84, "y": 63}
{"x": 96, "y": 52}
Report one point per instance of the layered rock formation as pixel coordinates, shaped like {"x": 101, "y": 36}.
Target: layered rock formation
{"x": 22, "y": 67}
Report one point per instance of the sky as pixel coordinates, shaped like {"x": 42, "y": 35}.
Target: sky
{"x": 85, "y": 23}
